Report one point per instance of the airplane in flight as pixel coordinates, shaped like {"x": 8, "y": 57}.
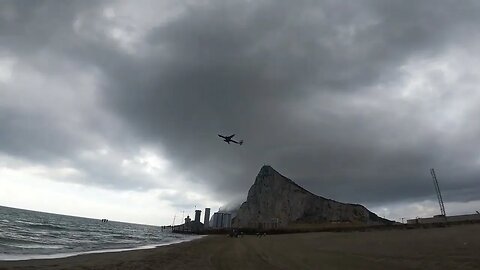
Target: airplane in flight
{"x": 229, "y": 139}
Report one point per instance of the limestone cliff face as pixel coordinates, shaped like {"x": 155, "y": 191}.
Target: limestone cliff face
{"x": 276, "y": 201}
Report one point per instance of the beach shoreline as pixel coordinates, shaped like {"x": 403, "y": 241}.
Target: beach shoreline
{"x": 453, "y": 247}
{"x": 26, "y": 257}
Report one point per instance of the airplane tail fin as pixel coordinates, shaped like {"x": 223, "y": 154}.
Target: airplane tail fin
{"x": 241, "y": 142}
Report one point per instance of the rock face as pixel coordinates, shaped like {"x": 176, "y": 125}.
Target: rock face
{"x": 275, "y": 201}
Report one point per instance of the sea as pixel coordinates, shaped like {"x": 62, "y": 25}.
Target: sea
{"x": 28, "y": 235}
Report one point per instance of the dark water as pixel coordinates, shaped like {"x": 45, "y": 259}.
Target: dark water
{"x": 28, "y": 234}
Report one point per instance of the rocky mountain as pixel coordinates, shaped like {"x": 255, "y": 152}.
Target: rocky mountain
{"x": 275, "y": 201}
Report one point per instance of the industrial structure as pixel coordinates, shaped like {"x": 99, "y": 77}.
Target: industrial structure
{"x": 221, "y": 220}
{"x": 206, "y": 219}
{"x": 439, "y": 194}
{"x": 198, "y": 213}
{"x": 442, "y": 219}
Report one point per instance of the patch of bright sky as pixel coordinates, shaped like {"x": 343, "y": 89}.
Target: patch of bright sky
{"x": 6, "y": 69}
{"x": 25, "y": 190}
{"x": 145, "y": 162}
{"x": 152, "y": 162}
{"x": 34, "y": 88}
{"x": 440, "y": 90}
{"x": 439, "y": 94}
{"x": 31, "y": 187}
{"x": 126, "y": 23}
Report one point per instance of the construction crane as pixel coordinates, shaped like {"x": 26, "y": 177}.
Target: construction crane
{"x": 439, "y": 195}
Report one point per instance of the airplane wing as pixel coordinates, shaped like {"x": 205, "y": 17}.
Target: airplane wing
{"x": 231, "y": 136}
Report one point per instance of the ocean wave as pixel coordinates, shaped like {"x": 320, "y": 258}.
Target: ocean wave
{"x": 27, "y": 222}
{"x": 127, "y": 237}
{"x": 33, "y": 246}
{"x": 46, "y": 226}
{"x": 49, "y": 227}
{"x": 8, "y": 241}
{"x": 22, "y": 257}
{"x": 31, "y": 234}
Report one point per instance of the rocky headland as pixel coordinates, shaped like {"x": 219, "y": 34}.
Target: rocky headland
{"x": 274, "y": 201}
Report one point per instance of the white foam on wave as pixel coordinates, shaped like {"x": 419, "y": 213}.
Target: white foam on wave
{"x": 34, "y": 246}
{"x": 24, "y": 257}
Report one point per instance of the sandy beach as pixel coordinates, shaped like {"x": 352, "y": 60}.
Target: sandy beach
{"x": 455, "y": 247}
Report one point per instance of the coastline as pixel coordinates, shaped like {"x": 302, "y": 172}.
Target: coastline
{"x": 453, "y": 247}
{"x": 26, "y": 257}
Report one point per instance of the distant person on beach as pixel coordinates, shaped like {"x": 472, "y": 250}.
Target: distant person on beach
{"x": 235, "y": 233}
{"x": 259, "y": 234}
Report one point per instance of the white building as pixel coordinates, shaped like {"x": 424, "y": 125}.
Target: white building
{"x": 440, "y": 219}
{"x": 221, "y": 220}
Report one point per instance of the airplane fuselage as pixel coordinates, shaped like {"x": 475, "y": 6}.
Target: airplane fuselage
{"x": 228, "y": 139}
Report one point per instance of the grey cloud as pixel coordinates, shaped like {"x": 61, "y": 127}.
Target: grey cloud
{"x": 50, "y": 115}
{"x": 28, "y": 28}
{"x": 244, "y": 68}
{"x": 285, "y": 76}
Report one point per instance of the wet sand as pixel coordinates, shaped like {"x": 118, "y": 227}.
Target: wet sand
{"x": 455, "y": 247}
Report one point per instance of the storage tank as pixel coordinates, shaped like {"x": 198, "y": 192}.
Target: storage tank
{"x": 197, "y": 215}
{"x": 206, "y": 219}
{"x": 222, "y": 220}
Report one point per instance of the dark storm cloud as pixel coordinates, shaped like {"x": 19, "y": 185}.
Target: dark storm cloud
{"x": 29, "y": 128}
{"x": 246, "y": 68}
{"x": 295, "y": 80}
{"x": 49, "y": 115}
{"x": 28, "y": 28}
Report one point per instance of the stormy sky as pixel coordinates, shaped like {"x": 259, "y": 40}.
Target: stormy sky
{"x": 112, "y": 108}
